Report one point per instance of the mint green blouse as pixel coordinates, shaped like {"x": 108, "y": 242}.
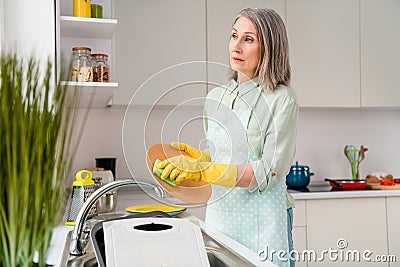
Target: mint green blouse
{"x": 271, "y": 130}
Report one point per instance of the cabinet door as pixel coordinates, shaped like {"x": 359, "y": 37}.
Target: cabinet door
{"x": 393, "y": 217}
{"x": 299, "y": 213}
{"x": 325, "y": 53}
{"x": 299, "y": 231}
{"x": 347, "y": 226}
{"x": 380, "y": 53}
{"x": 153, "y": 42}
{"x": 220, "y": 17}
{"x": 300, "y": 245}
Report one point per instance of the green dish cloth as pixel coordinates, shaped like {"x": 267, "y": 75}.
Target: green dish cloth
{"x": 158, "y": 173}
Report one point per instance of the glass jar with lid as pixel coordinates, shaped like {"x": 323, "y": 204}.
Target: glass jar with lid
{"x": 101, "y": 69}
{"x": 82, "y": 70}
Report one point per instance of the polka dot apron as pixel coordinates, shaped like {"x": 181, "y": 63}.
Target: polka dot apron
{"x": 257, "y": 221}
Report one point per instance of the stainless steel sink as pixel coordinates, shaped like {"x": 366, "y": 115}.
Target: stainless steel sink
{"x": 217, "y": 254}
{"x": 79, "y": 251}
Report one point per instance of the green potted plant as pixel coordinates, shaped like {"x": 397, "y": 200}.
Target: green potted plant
{"x": 38, "y": 140}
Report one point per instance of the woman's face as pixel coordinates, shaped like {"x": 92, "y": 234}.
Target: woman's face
{"x": 244, "y": 49}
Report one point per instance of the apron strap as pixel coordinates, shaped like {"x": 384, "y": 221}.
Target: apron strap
{"x": 253, "y": 106}
{"x": 226, "y": 89}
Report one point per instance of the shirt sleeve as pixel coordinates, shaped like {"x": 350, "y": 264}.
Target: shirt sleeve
{"x": 279, "y": 145}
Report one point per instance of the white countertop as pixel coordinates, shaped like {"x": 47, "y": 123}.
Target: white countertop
{"x": 344, "y": 194}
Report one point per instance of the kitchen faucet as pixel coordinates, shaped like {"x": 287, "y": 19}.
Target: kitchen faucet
{"x": 76, "y": 247}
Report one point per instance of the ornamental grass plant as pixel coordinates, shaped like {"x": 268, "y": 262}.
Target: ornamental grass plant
{"x": 37, "y": 146}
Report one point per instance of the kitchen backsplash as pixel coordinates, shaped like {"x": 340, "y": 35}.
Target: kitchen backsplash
{"x": 322, "y": 135}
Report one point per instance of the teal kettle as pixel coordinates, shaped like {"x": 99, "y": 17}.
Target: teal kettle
{"x": 299, "y": 176}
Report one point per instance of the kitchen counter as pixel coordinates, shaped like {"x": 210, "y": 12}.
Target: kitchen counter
{"x": 325, "y": 192}
{"x": 136, "y": 197}
{"x": 195, "y": 213}
{"x": 61, "y": 231}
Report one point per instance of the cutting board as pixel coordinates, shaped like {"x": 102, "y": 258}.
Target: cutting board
{"x": 149, "y": 242}
{"x": 378, "y": 186}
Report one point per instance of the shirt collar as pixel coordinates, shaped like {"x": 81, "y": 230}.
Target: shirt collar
{"x": 245, "y": 87}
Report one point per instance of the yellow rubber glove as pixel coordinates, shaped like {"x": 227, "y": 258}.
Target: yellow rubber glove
{"x": 181, "y": 168}
{"x": 202, "y": 156}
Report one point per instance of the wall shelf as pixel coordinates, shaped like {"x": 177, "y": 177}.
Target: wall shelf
{"x": 91, "y": 28}
{"x": 101, "y": 94}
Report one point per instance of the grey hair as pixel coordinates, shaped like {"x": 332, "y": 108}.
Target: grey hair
{"x": 274, "y": 67}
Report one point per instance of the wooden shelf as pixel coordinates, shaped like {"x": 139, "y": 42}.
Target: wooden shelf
{"x": 101, "y": 94}
{"x": 87, "y": 27}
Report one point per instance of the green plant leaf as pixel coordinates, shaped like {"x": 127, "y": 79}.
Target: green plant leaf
{"x": 37, "y": 124}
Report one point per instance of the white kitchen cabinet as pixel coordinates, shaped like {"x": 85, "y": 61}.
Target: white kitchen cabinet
{"x": 97, "y": 34}
{"x": 300, "y": 244}
{"x": 357, "y": 223}
{"x": 220, "y": 17}
{"x": 380, "y": 54}
{"x": 393, "y": 223}
{"x": 157, "y": 46}
{"x": 299, "y": 213}
{"x": 325, "y": 52}
{"x": 300, "y": 231}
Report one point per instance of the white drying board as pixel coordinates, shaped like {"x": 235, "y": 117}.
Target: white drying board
{"x": 180, "y": 245}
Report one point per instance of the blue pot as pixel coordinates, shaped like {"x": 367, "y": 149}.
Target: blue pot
{"x": 299, "y": 176}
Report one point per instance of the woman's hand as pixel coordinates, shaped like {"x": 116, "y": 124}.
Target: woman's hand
{"x": 181, "y": 168}
{"x": 202, "y": 156}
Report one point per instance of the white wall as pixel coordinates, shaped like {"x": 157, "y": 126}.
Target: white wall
{"x": 322, "y": 135}
{"x": 28, "y": 29}
{"x": 1, "y": 24}
{"x": 104, "y": 128}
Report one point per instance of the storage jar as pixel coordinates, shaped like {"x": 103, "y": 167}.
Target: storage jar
{"x": 82, "y": 8}
{"x": 101, "y": 69}
{"x": 81, "y": 65}
{"x": 96, "y": 11}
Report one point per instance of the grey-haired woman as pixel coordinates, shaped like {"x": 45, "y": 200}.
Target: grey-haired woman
{"x": 250, "y": 125}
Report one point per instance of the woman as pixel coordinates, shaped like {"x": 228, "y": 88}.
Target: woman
{"x": 251, "y": 128}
